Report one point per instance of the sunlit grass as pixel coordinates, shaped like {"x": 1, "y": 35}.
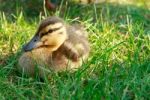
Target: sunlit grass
{"x": 119, "y": 62}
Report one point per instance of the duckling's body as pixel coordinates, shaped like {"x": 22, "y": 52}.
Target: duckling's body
{"x": 64, "y": 47}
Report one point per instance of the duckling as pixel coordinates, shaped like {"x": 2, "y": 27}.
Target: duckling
{"x": 56, "y": 46}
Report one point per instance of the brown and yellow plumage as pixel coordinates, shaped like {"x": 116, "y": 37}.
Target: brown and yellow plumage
{"x": 56, "y": 46}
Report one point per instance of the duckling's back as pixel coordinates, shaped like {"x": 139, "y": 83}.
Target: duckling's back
{"x": 76, "y": 46}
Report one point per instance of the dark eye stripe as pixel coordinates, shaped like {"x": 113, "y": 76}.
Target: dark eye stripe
{"x": 55, "y": 29}
{"x": 51, "y": 30}
{"x": 44, "y": 34}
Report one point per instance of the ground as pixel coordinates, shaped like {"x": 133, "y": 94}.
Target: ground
{"x": 119, "y": 62}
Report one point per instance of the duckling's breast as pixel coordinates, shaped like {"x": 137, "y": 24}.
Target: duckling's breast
{"x": 42, "y": 61}
{"x": 36, "y": 59}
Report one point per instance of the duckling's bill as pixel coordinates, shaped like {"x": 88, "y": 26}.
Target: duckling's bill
{"x": 34, "y": 43}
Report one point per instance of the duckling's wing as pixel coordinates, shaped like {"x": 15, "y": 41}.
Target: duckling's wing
{"x": 78, "y": 37}
{"x": 80, "y": 30}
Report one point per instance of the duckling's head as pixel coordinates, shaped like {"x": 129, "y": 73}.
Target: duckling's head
{"x": 51, "y": 34}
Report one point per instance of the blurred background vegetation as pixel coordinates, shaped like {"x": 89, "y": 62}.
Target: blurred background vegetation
{"x": 34, "y": 7}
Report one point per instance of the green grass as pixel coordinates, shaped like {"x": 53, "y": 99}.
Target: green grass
{"x": 119, "y": 62}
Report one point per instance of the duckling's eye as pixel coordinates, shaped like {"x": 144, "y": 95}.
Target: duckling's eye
{"x": 50, "y": 31}
{"x": 42, "y": 34}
